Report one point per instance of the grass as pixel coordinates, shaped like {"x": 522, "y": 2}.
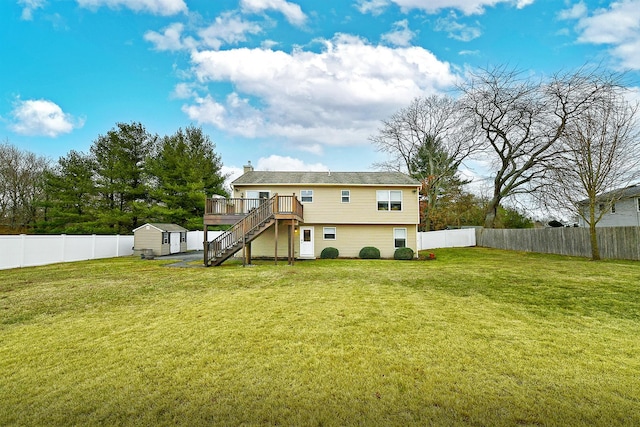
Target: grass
{"x": 476, "y": 337}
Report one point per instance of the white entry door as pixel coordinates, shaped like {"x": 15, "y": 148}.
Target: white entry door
{"x": 174, "y": 241}
{"x": 306, "y": 242}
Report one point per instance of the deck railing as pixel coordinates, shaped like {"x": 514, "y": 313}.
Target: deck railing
{"x": 256, "y": 212}
{"x": 239, "y": 206}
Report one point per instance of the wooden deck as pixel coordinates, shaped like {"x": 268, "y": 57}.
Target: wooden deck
{"x": 248, "y": 219}
{"x": 220, "y": 211}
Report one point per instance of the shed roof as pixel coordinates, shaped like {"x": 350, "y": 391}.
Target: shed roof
{"x": 326, "y": 178}
{"x": 163, "y": 227}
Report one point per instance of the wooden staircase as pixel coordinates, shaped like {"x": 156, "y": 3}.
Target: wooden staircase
{"x": 242, "y": 232}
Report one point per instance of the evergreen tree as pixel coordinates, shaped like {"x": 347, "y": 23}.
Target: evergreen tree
{"x": 71, "y": 196}
{"x": 121, "y": 179}
{"x": 438, "y": 173}
{"x": 185, "y": 171}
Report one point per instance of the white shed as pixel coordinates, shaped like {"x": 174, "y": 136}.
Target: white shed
{"x": 159, "y": 239}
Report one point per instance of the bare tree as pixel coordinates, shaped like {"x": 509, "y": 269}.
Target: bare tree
{"x": 21, "y": 187}
{"x": 520, "y": 121}
{"x": 600, "y": 158}
{"x": 428, "y": 140}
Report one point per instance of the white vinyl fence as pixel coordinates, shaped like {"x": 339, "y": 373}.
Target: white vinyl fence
{"x": 447, "y": 239}
{"x": 30, "y": 250}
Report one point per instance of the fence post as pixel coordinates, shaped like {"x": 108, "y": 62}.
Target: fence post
{"x": 93, "y": 246}
{"x": 117, "y": 245}
{"x": 23, "y": 238}
{"x": 63, "y": 241}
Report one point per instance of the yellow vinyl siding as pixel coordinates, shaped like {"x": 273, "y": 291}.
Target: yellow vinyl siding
{"x": 349, "y": 240}
{"x": 327, "y": 206}
{"x": 264, "y": 245}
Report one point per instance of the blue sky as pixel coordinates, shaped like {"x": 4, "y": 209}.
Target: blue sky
{"x": 298, "y": 85}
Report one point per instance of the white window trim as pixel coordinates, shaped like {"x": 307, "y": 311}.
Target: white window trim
{"x": 388, "y": 200}
{"x": 324, "y": 233}
{"x": 638, "y": 203}
{"x": 342, "y": 196}
{"x": 306, "y": 201}
{"x": 406, "y": 235}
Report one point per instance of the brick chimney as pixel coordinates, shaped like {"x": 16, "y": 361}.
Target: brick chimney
{"x": 248, "y": 168}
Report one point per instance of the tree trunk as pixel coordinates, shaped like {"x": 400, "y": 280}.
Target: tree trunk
{"x": 492, "y": 212}
{"x": 595, "y": 250}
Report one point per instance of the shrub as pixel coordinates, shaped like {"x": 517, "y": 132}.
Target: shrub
{"x": 329, "y": 253}
{"x": 369, "y": 252}
{"x": 403, "y": 253}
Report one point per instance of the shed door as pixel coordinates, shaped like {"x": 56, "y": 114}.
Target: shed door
{"x": 174, "y": 241}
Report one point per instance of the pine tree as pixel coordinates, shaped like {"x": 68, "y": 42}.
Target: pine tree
{"x": 186, "y": 170}
{"x": 121, "y": 177}
{"x": 71, "y": 194}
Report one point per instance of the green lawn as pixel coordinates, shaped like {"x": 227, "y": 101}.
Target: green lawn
{"x": 476, "y": 337}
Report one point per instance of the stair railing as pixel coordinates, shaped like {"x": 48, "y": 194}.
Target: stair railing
{"x": 240, "y": 230}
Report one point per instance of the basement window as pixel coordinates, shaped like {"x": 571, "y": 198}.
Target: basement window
{"x": 329, "y": 233}
{"x": 399, "y": 237}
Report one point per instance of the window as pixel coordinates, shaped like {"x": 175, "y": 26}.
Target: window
{"x": 329, "y": 233}
{"x": 345, "y": 196}
{"x": 638, "y": 200}
{"x": 306, "y": 196}
{"x": 183, "y": 237}
{"x": 601, "y": 207}
{"x": 389, "y": 200}
{"x": 613, "y": 208}
{"x": 165, "y": 238}
{"x": 399, "y": 237}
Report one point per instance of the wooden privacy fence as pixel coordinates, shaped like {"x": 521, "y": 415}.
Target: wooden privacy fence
{"x": 614, "y": 242}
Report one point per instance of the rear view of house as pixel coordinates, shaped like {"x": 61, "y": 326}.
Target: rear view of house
{"x": 314, "y": 210}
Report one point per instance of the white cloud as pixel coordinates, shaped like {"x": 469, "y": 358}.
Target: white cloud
{"x": 184, "y": 91}
{"x": 335, "y": 97}
{"x": 156, "y": 7}
{"x": 42, "y": 117}
{"x": 456, "y": 30}
{"x": 617, "y": 26}
{"x": 374, "y": 7}
{"x": 170, "y": 39}
{"x": 286, "y": 163}
{"x": 576, "y": 11}
{"x": 228, "y": 28}
{"x": 401, "y": 34}
{"x": 468, "y": 7}
{"x": 29, "y": 6}
{"x": 291, "y": 11}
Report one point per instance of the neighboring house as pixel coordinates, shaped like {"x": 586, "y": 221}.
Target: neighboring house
{"x": 624, "y": 211}
{"x": 298, "y": 214}
{"x": 160, "y": 239}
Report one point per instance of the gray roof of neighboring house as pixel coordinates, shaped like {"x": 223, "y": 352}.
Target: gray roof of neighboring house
{"x": 620, "y": 193}
{"x": 163, "y": 227}
{"x": 326, "y": 178}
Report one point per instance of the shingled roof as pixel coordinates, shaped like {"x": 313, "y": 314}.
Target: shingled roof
{"x": 326, "y": 178}
{"x": 620, "y": 193}
{"x": 163, "y": 227}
